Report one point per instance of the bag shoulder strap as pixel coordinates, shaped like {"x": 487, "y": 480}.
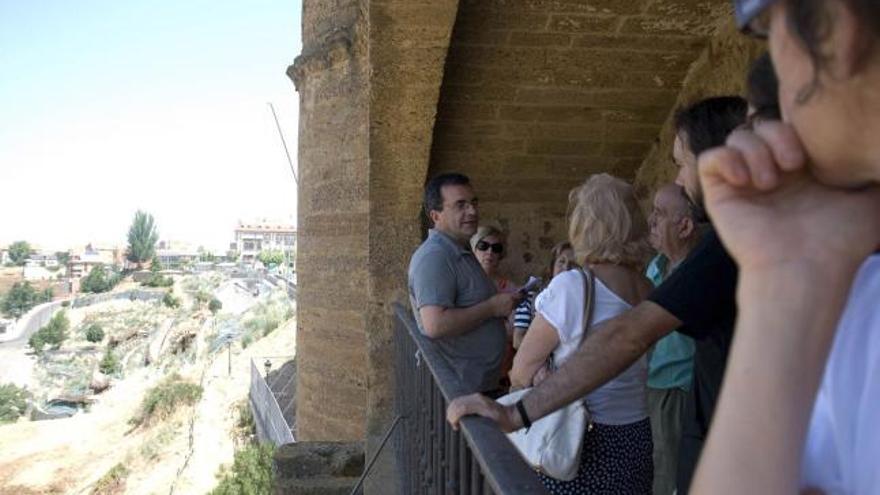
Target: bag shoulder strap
{"x": 589, "y": 280}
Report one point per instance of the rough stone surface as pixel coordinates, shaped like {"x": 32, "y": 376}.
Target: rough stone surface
{"x": 318, "y": 468}
{"x": 409, "y": 42}
{"x": 332, "y": 77}
{"x": 538, "y": 94}
{"x": 720, "y": 70}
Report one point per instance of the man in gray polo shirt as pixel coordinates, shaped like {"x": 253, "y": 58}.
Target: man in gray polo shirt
{"x": 454, "y": 302}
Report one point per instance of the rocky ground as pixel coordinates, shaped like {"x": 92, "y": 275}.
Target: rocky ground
{"x": 180, "y": 454}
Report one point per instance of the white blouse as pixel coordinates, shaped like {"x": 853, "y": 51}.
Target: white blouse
{"x": 621, "y": 400}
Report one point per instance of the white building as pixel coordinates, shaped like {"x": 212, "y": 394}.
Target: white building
{"x": 251, "y": 238}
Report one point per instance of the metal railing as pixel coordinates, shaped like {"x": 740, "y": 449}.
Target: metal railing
{"x": 271, "y": 425}
{"x": 431, "y": 457}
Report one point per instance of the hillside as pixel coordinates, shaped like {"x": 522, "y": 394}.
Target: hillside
{"x": 180, "y": 453}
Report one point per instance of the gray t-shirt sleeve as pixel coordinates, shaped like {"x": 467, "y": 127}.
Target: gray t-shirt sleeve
{"x": 433, "y": 281}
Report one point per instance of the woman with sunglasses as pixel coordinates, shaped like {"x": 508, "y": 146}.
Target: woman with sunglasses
{"x": 488, "y": 247}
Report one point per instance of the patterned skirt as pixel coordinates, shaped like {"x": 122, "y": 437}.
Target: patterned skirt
{"x": 615, "y": 460}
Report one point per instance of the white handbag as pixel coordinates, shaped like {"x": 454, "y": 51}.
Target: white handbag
{"x": 552, "y": 445}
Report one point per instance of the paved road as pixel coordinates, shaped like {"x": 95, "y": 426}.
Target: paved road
{"x": 32, "y": 321}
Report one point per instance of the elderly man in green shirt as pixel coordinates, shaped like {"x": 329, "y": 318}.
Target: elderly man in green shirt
{"x": 674, "y": 231}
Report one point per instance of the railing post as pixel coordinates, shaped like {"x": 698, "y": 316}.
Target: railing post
{"x": 478, "y": 459}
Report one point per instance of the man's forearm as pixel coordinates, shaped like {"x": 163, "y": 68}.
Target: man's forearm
{"x": 783, "y": 335}
{"x": 458, "y": 321}
{"x": 607, "y": 352}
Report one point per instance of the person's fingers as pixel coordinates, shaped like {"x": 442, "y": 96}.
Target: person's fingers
{"x": 454, "y": 413}
{"x": 757, "y": 157}
{"x": 783, "y": 143}
{"x": 723, "y": 165}
{"x": 468, "y": 405}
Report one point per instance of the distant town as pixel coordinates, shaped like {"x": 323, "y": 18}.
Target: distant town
{"x": 261, "y": 244}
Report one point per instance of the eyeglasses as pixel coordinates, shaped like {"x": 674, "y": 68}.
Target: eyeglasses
{"x": 496, "y": 247}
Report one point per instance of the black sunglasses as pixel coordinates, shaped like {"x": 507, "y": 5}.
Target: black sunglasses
{"x": 497, "y": 247}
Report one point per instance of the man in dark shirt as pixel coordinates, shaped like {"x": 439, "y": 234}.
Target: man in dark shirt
{"x": 698, "y": 300}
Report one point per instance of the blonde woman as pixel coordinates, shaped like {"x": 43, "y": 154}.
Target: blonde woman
{"x": 609, "y": 235}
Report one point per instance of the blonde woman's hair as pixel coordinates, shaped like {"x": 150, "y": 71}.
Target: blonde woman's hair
{"x": 485, "y": 231}
{"x": 606, "y": 224}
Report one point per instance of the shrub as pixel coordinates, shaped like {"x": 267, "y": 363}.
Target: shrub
{"x": 112, "y": 482}
{"x": 269, "y": 326}
{"x": 202, "y": 296}
{"x": 170, "y": 300}
{"x": 53, "y": 334}
{"x": 94, "y": 333}
{"x": 251, "y": 472}
{"x": 246, "y": 341}
{"x": 13, "y": 402}
{"x": 215, "y": 305}
{"x": 109, "y": 364}
{"x": 158, "y": 280}
{"x": 163, "y": 399}
{"x": 65, "y": 304}
{"x": 95, "y": 281}
{"x": 20, "y": 299}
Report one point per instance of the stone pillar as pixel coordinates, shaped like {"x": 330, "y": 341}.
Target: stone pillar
{"x": 331, "y": 76}
{"x": 409, "y": 40}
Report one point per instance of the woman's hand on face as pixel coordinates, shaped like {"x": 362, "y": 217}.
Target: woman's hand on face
{"x": 768, "y": 209}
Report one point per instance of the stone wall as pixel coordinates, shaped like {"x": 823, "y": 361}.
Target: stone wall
{"x": 538, "y": 94}
{"x": 720, "y": 70}
{"x": 331, "y": 76}
{"x": 409, "y": 40}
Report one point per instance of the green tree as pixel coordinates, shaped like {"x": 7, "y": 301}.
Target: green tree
{"x": 63, "y": 257}
{"x": 155, "y": 264}
{"x": 251, "y": 471}
{"x": 109, "y": 364}
{"x": 52, "y": 334}
{"x": 271, "y": 257}
{"x": 13, "y": 402}
{"x": 19, "y": 251}
{"x": 215, "y": 305}
{"x": 170, "y": 300}
{"x": 142, "y": 238}
{"x": 20, "y": 299}
{"x": 94, "y": 333}
{"x": 96, "y": 281}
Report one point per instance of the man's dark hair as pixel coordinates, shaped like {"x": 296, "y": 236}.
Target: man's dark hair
{"x": 812, "y": 23}
{"x": 762, "y": 89}
{"x": 708, "y": 122}
{"x": 434, "y": 187}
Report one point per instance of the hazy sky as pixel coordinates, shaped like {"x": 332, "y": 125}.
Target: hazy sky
{"x": 108, "y": 106}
